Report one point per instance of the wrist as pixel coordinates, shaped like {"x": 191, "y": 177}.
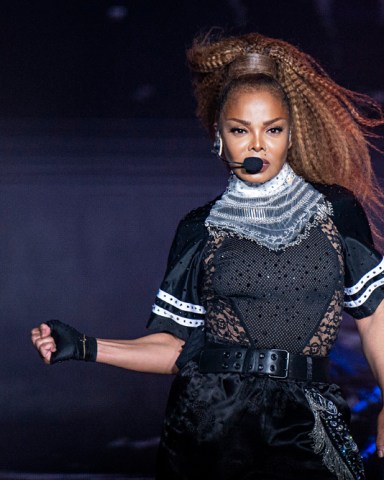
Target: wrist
{"x": 71, "y": 344}
{"x": 89, "y": 349}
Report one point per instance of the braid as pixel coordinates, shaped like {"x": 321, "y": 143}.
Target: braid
{"x": 209, "y": 58}
{"x": 331, "y": 125}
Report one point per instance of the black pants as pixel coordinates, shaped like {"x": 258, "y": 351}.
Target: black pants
{"x": 242, "y": 427}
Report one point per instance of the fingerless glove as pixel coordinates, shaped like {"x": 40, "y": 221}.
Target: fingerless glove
{"x": 71, "y": 344}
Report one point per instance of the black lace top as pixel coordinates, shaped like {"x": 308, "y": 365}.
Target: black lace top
{"x": 231, "y": 290}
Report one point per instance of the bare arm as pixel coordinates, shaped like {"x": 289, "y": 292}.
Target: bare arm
{"x": 371, "y": 330}
{"x": 156, "y": 353}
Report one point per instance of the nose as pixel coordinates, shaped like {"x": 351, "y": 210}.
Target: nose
{"x": 256, "y": 144}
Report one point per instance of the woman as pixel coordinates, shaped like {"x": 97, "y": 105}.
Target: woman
{"x": 256, "y": 281}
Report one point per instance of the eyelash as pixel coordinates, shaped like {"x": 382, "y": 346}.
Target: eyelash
{"x": 238, "y": 130}
{"x": 276, "y": 129}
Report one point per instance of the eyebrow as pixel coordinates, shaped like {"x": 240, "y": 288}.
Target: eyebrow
{"x": 247, "y": 123}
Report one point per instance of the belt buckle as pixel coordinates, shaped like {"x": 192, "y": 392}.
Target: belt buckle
{"x": 287, "y": 355}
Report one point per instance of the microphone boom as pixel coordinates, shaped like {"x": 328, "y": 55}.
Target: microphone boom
{"x": 251, "y": 165}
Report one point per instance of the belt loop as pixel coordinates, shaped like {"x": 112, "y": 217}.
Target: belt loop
{"x": 309, "y": 369}
{"x": 249, "y": 361}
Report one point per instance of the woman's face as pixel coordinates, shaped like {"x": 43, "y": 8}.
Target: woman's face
{"x": 255, "y": 124}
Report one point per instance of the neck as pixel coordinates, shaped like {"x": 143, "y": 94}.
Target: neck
{"x": 275, "y": 185}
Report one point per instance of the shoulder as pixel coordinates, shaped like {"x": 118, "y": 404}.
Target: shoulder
{"x": 191, "y": 232}
{"x": 339, "y": 196}
{"x": 348, "y": 214}
{"x": 194, "y": 221}
{"x": 199, "y": 214}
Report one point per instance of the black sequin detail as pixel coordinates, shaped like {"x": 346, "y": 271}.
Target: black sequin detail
{"x": 290, "y": 299}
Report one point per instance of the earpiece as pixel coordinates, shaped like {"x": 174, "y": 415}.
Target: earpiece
{"x": 217, "y": 144}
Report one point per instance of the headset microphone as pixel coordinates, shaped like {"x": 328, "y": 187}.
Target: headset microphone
{"x": 251, "y": 165}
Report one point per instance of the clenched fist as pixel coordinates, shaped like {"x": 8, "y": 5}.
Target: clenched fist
{"x": 56, "y": 341}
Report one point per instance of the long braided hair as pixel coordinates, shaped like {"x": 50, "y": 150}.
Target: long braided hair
{"x": 332, "y": 127}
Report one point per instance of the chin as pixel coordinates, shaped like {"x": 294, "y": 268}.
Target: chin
{"x": 254, "y": 177}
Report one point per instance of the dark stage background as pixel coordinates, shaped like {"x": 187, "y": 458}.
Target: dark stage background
{"x": 100, "y": 157}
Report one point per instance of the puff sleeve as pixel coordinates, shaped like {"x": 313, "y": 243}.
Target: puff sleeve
{"x": 177, "y": 308}
{"x": 364, "y": 265}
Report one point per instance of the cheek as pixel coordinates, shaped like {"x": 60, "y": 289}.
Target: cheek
{"x": 282, "y": 149}
{"x": 229, "y": 148}
{"x": 234, "y": 145}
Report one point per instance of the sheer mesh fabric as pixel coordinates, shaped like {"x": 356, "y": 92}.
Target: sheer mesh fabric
{"x": 289, "y": 299}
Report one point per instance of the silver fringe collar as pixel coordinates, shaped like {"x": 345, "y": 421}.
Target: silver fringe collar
{"x": 276, "y": 214}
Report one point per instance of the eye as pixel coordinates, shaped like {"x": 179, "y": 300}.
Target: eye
{"x": 237, "y": 130}
{"x": 275, "y": 130}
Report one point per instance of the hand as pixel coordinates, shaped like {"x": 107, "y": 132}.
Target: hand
{"x": 56, "y": 341}
{"x": 380, "y": 435}
{"x": 43, "y": 342}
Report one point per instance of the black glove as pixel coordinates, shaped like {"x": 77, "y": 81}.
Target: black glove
{"x": 71, "y": 344}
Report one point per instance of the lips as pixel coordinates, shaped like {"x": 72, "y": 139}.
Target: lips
{"x": 265, "y": 166}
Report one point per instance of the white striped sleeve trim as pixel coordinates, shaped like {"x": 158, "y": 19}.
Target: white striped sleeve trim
{"x": 368, "y": 276}
{"x": 186, "y": 307}
{"x": 364, "y": 297}
{"x": 176, "y": 318}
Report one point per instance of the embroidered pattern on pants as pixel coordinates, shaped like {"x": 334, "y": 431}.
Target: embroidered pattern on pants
{"x": 332, "y": 439}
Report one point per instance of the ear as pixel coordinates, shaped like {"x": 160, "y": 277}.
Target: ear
{"x": 217, "y": 144}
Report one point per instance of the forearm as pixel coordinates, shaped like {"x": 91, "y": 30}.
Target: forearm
{"x": 156, "y": 353}
{"x": 371, "y": 331}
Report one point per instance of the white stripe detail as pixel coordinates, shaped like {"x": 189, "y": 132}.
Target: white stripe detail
{"x": 364, "y": 297}
{"x": 180, "y": 320}
{"x": 187, "y": 307}
{"x": 360, "y": 284}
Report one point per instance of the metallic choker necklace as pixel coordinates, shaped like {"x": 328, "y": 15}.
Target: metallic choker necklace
{"x": 276, "y": 214}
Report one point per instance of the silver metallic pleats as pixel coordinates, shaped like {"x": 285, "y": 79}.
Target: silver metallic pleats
{"x": 277, "y": 214}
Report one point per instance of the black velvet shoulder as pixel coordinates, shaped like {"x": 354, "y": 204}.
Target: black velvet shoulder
{"x": 199, "y": 214}
{"x": 349, "y": 216}
{"x": 191, "y": 228}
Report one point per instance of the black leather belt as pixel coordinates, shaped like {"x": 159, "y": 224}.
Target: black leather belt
{"x": 273, "y": 363}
